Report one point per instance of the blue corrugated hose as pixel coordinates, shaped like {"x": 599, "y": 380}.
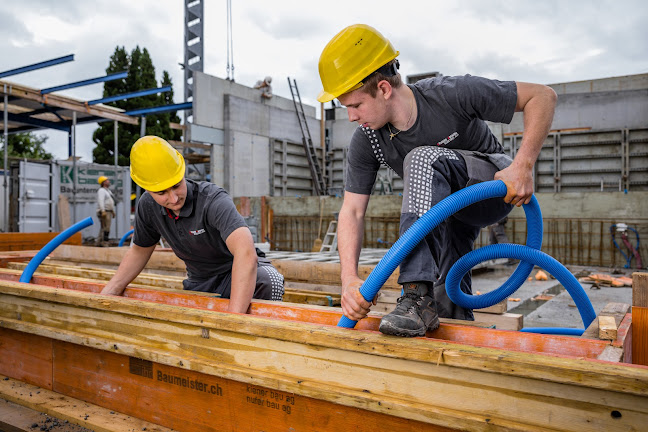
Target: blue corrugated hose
{"x": 124, "y": 237}
{"x": 49, "y": 247}
{"x": 529, "y": 255}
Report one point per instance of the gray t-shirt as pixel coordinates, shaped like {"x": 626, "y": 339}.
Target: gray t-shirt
{"x": 198, "y": 234}
{"x": 451, "y": 114}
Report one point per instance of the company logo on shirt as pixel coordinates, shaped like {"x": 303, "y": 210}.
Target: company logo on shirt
{"x": 197, "y": 232}
{"x": 446, "y": 141}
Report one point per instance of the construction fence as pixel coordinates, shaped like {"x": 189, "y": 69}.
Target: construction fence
{"x": 586, "y": 242}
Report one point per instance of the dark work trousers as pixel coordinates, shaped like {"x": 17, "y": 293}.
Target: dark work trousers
{"x": 430, "y": 175}
{"x": 269, "y": 283}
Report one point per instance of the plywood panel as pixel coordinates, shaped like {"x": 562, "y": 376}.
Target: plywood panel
{"x": 26, "y": 357}
{"x": 195, "y": 402}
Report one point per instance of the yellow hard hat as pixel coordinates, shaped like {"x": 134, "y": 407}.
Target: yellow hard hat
{"x": 102, "y": 179}
{"x": 351, "y": 56}
{"x": 155, "y": 165}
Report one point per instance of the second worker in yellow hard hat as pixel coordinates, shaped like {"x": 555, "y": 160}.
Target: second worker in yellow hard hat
{"x": 105, "y": 210}
{"x": 201, "y": 224}
{"x": 433, "y": 134}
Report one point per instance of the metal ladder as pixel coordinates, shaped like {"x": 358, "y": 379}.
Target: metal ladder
{"x": 329, "y": 242}
{"x": 316, "y": 171}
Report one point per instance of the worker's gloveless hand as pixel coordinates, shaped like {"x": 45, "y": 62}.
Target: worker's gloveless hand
{"x": 103, "y": 213}
{"x": 519, "y": 183}
{"x": 114, "y": 291}
{"x": 354, "y": 306}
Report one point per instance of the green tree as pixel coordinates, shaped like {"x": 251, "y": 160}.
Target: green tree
{"x": 141, "y": 76}
{"x": 27, "y": 145}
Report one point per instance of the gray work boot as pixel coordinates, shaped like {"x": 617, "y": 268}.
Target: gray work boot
{"x": 415, "y": 313}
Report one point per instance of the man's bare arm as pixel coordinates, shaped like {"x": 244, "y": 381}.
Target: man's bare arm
{"x": 131, "y": 265}
{"x": 350, "y": 234}
{"x": 244, "y": 269}
{"x": 538, "y": 103}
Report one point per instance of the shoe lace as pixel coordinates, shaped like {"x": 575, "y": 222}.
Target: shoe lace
{"x": 409, "y": 302}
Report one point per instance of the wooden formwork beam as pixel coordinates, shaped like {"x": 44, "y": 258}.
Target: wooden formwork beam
{"x": 434, "y": 382}
{"x": 320, "y": 273}
{"x": 67, "y": 409}
{"x": 293, "y": 295}
{"x": 32, "y": 241}
{"x": 640, "y": 318}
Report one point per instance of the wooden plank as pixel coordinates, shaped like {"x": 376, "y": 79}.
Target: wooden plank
{"x": 17, "y": 418}
{"x": 607, "y": 328}
{"x": 73, "y": 410}
{"x": 616, "y": 310}
{"x": 640, "y": 289}
{"x": 63, "y": 208}
{"x": 173, "y": 282}
{"x": 65, "y": 102}
{"x": 611, "y": 354}
{"x": 7, "y": 257}
{"x": 432, "y": 381}
{"x": 640, "y": 318}
{"x": 329, "y": 316}
{"x": 132, "y": 385}
{"x": 320, "y": 273}
{"x": 505, "y": 321}
{"x": 26, "y": 357}
{"x": 32, "y": 241}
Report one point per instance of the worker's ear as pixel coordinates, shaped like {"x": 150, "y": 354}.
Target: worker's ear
{"x": 384, "y": 89}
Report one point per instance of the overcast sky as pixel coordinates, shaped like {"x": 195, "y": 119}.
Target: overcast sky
{"x": 544, "y": 41}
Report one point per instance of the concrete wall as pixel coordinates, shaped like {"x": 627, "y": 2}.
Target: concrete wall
{"x": 608, "y": 103}
{"x": 241, "y": 160}
{"x": 576, "y": 225}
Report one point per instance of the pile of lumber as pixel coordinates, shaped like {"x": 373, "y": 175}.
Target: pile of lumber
{"x": 607, "y": 280}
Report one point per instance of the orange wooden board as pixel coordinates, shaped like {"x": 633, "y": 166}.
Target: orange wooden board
{"x": 190, "y": 401}
{"x": 640, "y": 335}
{"x": 26, "y": 357}
{"x": 475, "y": 336}
{"x": 13, "y": 241}
{"x": 7, "y": 257}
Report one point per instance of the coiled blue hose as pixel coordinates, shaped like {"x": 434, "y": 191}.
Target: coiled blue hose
{"x": 49, "y": 247}
{"x": 124, "y": 237}
{"x": 446, "y": 208}
{"x": 527, "y": 255}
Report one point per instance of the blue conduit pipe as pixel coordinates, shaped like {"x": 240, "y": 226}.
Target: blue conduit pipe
{"x": 49, "y": 247}
{"x": 123, "y": 239}
{"x": 437, "y": 214}
{"x": 527, "y": 255}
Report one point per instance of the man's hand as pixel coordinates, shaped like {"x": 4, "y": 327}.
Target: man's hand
{"x": 103, "y": 213}
{"x": 354, "y": 306}
{"x": 519, "y": 184}
{"x": 112, "y": 290}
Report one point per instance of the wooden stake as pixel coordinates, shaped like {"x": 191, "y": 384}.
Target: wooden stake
{"x": 640, "y": 318}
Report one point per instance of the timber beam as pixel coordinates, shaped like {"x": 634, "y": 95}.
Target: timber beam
{"x": 445, "y": 384}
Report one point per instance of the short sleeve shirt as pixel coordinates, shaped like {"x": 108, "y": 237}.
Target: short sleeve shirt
{"x": 198, "y": 234}
{"x": 451, "y": 113}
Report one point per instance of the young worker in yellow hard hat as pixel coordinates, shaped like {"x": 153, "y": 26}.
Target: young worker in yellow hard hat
{"x": 105, "y": 210}
{"x": 433, "y": 135}
{"x": 201, "y": 224}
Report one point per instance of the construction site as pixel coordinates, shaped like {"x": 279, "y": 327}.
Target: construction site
{"x": 163, "y": 358}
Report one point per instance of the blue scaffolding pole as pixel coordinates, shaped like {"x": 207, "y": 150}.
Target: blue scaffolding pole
{"x": 130, "y": 95}
{"x": 112, "y": 77}
{"x": 35, "y": 66}
{"x": 159, "y": 109}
